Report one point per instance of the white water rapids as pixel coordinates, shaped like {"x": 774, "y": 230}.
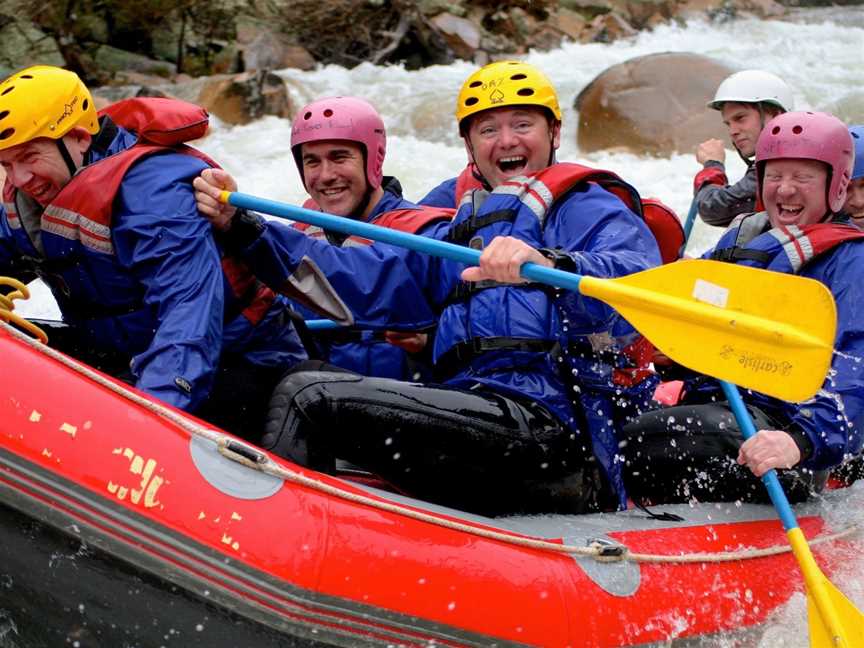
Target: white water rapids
{"x": 820, "y": 53}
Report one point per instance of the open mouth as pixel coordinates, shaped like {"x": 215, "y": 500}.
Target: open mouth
{"x": 40, "y": 192}
{"x": 512, "y": 164}
{"x": 789, "y": 212}
{"x": 332, "y": 191}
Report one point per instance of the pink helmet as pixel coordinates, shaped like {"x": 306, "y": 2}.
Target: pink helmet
{"x": 809, "y": 136}
{"x": 342, "y": 118}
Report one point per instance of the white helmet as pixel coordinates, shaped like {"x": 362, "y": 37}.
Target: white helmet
{"x": 753, "y": 86}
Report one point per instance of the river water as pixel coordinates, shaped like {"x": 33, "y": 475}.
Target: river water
{"x": 820, "y": 53}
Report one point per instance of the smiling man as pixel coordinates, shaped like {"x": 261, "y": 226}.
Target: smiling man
{"x": 746, "y": 100}
{"x": 505, "y": 135}
{"x": 695, "y": 450}
{"x": 339, "y": 145}
{"x": 107, "y": 218}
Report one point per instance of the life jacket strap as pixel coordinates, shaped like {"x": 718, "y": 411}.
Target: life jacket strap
{"x": 735, "y": 253}
{"x": 456, "y": 357}
{"x": 462, "y": 233}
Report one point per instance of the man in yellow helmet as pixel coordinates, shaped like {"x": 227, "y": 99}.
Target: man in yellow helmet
{"x": 498, "y": 432}
{"x": 522, "y": 94}
{"x": 106, "y": 216}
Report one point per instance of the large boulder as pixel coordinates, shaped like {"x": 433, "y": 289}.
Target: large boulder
{"x": 652, "y": 104}
{"x": 242, "y": 98}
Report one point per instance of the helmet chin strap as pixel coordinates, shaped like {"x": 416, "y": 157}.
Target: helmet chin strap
{"x": 67, "y": 158}
{"x": 476, "y": 170}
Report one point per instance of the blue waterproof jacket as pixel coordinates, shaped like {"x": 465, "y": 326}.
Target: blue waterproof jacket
{"x": 152, "y": 286}
{"x": 589, "y": 360}
{"x": 391, "y": 287}
{"x": 833, "y": 420}
{"x": 369, "y": 354}
{"x": 444, "y": 195}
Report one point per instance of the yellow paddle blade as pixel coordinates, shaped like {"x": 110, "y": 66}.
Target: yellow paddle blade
{"x": 834, "y": 621}
{"x": 850, "y": 621}
{"x": 763, "y": 330}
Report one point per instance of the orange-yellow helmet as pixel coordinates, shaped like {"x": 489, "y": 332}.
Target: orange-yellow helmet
{"x": 44, "y": 101}
{"x": 505, "y": 83}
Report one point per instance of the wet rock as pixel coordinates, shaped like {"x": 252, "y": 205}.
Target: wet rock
{"x": 22, "y": 44}
{"x": 607, "y": 28}
{"x": 643, "y": 13}
{"x": 261, "y": 48}
{"x": 242, "y": 98}
{"x": 460, "y": 34}
{"x": 569, "y": 23}
{"x": 132, "y": 78}
{"x": 651, "y": 104}
{"x": 111, "y": 59}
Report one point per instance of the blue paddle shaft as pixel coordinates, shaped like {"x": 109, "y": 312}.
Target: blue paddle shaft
{"x": 691, "y": 218}
{"x": 775, "y": 490}
{"x": 321, "y": 324}
{"x": 532, "y": 271}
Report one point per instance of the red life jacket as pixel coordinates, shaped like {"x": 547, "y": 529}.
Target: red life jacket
{"x": 84, "y": 208}
{"x": 660, "y": 218}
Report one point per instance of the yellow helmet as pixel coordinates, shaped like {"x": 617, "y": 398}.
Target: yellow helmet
{"x": 44, "y": 101}
{"x": 505, "y": 83}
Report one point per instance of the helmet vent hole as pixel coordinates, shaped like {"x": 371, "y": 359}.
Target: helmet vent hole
{"x": 797, "y": 130}
{"x": 7, "y": 90}
{"x": 328, "y": 113}
{"x": 475, "y": 84}
{"x": 4, "y": 114}
{"x": 525, "y": 92}
{"x": 775, "y": 130}
{"x": 518, "y": 77}
{"x": 470, "y": 101}
{"x": 6, "y": 134}
{"x": 307, "y": 116}
{"x": 25, "y": 76}
{"x": 85, "y": 105}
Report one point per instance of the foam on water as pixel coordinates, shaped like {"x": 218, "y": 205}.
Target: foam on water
{"x": 820, "y": 58}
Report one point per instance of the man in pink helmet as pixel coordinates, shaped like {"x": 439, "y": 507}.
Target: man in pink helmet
{"x": 804, "y": 162}
{"x": 339, "y": 145}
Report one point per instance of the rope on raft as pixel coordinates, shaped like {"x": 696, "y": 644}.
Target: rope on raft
{"x": 263, "y": 463}
{"x": 7, "y": 305}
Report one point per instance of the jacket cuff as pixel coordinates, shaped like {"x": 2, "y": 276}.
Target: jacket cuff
{"x": 561, "y": 259}
{"x": 245, "y": 229}
{"x": 711, "y": 174}
{"x": 805, "y": 445}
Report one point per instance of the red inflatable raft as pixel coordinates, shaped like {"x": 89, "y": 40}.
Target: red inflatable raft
{"x": 125, "y": 524}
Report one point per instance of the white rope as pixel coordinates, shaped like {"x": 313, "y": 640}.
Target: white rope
{"x": 266, "y": 465}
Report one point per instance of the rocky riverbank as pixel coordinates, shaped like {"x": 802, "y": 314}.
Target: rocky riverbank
{"x": 149, "y": 41}
{"x": 615, "y": 110}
